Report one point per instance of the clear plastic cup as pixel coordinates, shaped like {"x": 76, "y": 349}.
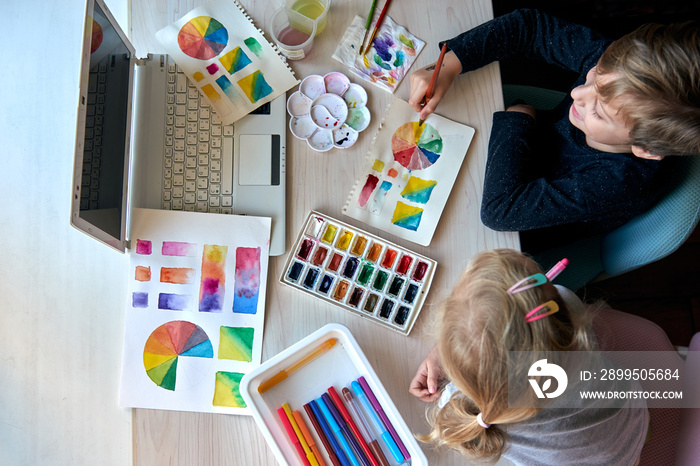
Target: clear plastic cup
{"x": 293, "y": 33}
{"x": 316, "y": 10}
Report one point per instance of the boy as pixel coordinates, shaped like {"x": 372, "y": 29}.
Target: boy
{"x": 595, "y": 161}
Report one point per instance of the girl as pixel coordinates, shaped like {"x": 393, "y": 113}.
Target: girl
{"x": 488, "y": 316}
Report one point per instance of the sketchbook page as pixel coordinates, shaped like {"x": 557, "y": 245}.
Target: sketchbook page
{"x": 222, "y": 53}
{"x": 195, "y": 309}
{"x": 409, "y": 173}
{"x": 388, "y": 60}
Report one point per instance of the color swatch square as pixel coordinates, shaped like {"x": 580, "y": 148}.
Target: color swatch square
{"x": 255, "y": 87}
{"x": 236, "y": 343}
{"x": 227, "y": 390}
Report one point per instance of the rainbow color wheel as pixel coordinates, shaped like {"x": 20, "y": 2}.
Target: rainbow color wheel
{"x": 416, "y": 146}
{"x": 202, "y": 38}
{"x": 169, "y": 342}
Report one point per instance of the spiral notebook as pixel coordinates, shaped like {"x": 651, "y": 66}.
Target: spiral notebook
{"x": 227, "y": 58}
{"x": 409, "y": 173}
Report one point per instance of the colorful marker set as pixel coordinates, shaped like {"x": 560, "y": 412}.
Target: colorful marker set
{"x": 359, "y": 272}
{"x": 352, "y": 423}
{"x": 354, "y": 433}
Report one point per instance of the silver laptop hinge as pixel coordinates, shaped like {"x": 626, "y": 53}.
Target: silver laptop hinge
{"x": 142, "y": 61}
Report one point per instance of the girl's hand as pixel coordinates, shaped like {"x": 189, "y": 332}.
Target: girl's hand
{"x": 451, "y": 68}
{"x": 424, "y": 385}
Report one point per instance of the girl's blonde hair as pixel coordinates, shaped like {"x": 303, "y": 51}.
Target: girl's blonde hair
{"x": 477, "y": 326}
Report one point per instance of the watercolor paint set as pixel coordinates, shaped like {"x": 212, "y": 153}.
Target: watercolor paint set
{"x": 320, "y": 400}
{"x": 359, "y": 272}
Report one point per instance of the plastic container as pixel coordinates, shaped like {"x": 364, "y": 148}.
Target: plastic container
{"x": 315, "y": 10}
{"x": 293, "y": 33}
{"x": 338, "y": 367}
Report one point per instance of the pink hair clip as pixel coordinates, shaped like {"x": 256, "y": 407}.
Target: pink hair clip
{"x": 528, "y": 282}
{"x": 533, "y": 316}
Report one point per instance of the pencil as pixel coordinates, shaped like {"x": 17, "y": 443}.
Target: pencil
{"x": 433, "y": 80}
{"x": 369, "y": 23}
{"x": 376, "y": 26}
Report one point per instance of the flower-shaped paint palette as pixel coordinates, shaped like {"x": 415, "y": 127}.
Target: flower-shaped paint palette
{"x": 328, "y": 111}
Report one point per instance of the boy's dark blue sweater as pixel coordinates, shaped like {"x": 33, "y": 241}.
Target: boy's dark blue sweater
{"x": 541, "y": 174}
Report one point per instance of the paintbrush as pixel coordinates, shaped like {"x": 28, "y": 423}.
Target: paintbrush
{"x": 376, "y": 26}
{"x": 433, "y": 80}
{"x": 369, "y": 22}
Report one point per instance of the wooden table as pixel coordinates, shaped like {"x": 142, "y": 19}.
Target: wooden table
{"x": 322, "y": 181}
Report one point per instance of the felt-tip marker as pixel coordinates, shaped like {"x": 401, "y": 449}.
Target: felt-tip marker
{"x": 334, "y": 449}
{"x": 353, "y": 427}
{"x": 385, "y": 435}
{"x": 372, "y": 441}
{"x": 345, "y": 430}
{"x": 338, "y": 433}
{"x": 292, "y": 436}
{"x": 378, "y": 407}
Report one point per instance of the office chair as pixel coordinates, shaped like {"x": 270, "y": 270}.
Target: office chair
{"x": 674, "y": 432}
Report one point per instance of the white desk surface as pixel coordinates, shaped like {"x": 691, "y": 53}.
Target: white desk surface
{"x": 62, "y": 294}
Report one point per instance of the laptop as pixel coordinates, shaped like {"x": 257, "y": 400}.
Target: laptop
{"x": 146, "y": 139}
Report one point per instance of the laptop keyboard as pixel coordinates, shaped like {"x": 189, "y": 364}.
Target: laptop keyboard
{"x": 198, "y": 166}
{"x": 92, "y": 149}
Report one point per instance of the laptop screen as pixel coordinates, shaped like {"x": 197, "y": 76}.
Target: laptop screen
{"x": 105, "y": 145}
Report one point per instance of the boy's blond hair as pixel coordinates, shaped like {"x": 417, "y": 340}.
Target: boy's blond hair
{"x": 657, "y": 86}
{"x": 477, "y": 326}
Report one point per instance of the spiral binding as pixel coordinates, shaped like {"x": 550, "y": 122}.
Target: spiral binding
{"x": 274, "y": 46}
{"x": 368, "y": 161}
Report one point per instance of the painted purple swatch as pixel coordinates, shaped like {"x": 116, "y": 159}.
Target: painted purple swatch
{"x": 177, "y": 248}
{"x": 213, "y": 68}
{"x": 143, "y": 247}
{"x": 139, "y": 300}
{"x": 172, "y": 302}
{"x": 378, "y": 408}
{"x": 247, "y": 281}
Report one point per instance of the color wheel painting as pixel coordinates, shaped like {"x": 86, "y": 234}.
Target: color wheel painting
{"x": 202, "y": 38}
{"x": 195, "y": 310}
{"x": 226, "y": 56}
{"x": 409, "y": 173}
{"x": 416, "y": 146}
{"x": 169, "y": 342}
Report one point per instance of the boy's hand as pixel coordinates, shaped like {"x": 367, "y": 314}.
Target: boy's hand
{"x": 424, "y": 385}
{"x": 451, "y": 68}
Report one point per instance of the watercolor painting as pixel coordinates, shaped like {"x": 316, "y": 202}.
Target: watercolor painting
{"x": 409, "y": 173}
{"x": 169, "y": 342}
{"x": 235, "y": 60}
{"x": 387, "y": 61}
{"x": 228, "y": 390}
{"x": 211, "y": 291}
{"x": 236, "y": 343}
{"x": 218, "y": 41}
{"x": 247, "y": 281}
{"x": 202, "y": 38}
{"x": 254, "y": 86}
{"x": 195, "y": 309}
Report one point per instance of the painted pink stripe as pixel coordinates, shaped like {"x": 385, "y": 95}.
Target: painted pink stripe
{"x": 367, "y": 190}
{"x": 175, "y": 248}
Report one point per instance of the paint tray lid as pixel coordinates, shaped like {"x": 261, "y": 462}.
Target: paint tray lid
{"x": 343, "y": 363}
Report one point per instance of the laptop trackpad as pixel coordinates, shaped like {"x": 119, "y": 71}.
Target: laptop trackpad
{"x": 259, "y": 160}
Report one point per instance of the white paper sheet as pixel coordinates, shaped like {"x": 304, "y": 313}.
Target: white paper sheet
{"x": 222, "y": 52}
{"x": 409, "y": 173}
{"x": 213, "y": 268}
